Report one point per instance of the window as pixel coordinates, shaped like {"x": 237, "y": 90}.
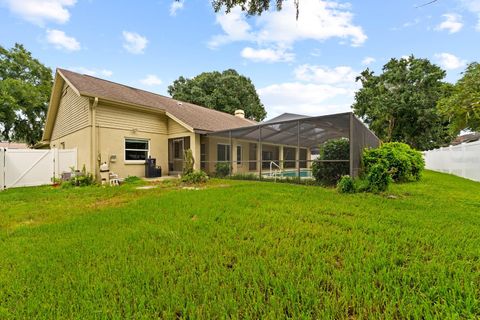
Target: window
{"x": 203, "y": 156}
{"x": 239, "y": 155}
{"x": 223, "y": 152}
{"x": 136, "y": 149}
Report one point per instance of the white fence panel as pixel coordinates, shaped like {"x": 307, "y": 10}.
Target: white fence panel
{"x": 27, "y": 167}
{"x": 461, "y": 160}
{"x": 24, "y": 167}
{"x": 2, "y": 169}
{"x": 65, "y": 159}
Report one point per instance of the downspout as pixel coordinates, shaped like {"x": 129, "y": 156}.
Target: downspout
{"x": 93, "y": 161}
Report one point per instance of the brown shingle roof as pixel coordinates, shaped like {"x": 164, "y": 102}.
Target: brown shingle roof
{"x": 197, "y": 117}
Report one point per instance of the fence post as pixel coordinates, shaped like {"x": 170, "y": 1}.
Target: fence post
{"x": 55, "y": 163}
{"x": 2, "y": 169}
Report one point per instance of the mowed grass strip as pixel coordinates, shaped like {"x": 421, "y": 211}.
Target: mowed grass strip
{"x": 239, "y": 249}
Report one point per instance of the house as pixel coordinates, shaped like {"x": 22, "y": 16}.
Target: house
{"x": 13, "y": 145}
{"x": 123, "y": 126}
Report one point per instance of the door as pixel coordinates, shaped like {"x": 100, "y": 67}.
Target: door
{"x": 178, "y": 154}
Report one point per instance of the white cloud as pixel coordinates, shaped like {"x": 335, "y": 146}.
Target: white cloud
{"x": 412, "y": 23}
{"x": 368, "y": 61}
{"x": 61, "y": 41}
{"x": 41, "y": 11}
{"x": 234, "y": 26}
{"x": 452, "y": 23}
{"x": 319, "y": 20}
{"x": 151, "y": 80}
{"x": 93, "y": 72}
{"x": 267, "y": 55}
{"x": 449, "y": 61}
{"x": 326, "y": 75}
{"x": 134, "y": 43}
{"x": 474, "y": 7}
{"x": 175, "y": 6}
{"x": 316, "y": 90}
{"x": 309, "y": 99}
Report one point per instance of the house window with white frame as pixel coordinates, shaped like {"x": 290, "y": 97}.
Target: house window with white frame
{"x": 136, "y": 150}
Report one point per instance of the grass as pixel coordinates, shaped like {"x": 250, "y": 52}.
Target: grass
{"x": 242, "y": 249}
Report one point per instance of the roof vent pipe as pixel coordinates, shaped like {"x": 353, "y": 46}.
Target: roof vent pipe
{"x": 240, "y": 113}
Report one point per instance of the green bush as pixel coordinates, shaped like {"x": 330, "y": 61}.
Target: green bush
{"x": 378, "y": 178}
{"x": 346, "y": 185}
{"x": 195, "y": 177}
{"x": 403, "y": 162}
{"x": 79, "y": 179}
{"x": 222, "y": 169}
{"x": 329, "y": 173}
{"x": 132, "y": 179}
{"x": 245, "y": 176}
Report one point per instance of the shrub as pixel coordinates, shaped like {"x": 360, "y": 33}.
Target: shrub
{"x": 245, "y": 176}
{"x": 189, "y": 162}
{"x": 403, "y": 162}
{"x": 132, "y": 179}
{"x": 329, "y": 173}
{"x": 222, "y": 169}
{"x": 378, "y": 178}
{"x": 346, "y": 185}
{"x": 195, "y": 177}
{"x": 79, "y": 179}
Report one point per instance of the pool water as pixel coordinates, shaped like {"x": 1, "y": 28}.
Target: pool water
{"x": 304, "y": 173}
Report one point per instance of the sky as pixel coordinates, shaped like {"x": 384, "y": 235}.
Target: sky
{"x": 305, "y": 66}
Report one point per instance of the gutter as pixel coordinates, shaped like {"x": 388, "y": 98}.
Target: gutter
{"x": 94, "y": 151}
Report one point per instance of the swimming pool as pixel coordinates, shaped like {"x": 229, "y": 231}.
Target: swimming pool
{"x": 304, "y": 173}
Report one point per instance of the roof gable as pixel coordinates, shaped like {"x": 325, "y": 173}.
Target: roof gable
{"x": 197, "y": 117}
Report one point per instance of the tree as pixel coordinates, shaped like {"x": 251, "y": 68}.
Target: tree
{"x": 463, "y": 106}
{"x": 252, "y": 7}
{"x": 226, "y": 91}
{"x": 257, "y": 7}
{"x": 401, "y": 103}
{"x": 25, "y": 86}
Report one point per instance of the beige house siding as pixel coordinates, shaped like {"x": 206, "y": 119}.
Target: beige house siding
{"x": 111, "y": 142}
{"x": 72, "y": 115}
{"x": 79, "y": 139}
{"x": 128, "y": 119}
{"x": 174, "y": 128}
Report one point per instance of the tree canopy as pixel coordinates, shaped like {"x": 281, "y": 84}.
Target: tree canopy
{"x": 252, "y": 7}
{"x": 224, "y": 91}
{"x": 463, "y": 106}
{"x": 401, "y": 103}
{"x": 25, "y": 86}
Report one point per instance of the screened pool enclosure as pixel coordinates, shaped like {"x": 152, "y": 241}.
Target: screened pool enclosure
{"x": 285, "y": 146}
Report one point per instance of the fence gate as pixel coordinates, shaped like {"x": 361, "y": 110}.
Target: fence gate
{"x": 24, "y": 168}
{"x": 2, "y": 169}
{"x": 27, "y": 167}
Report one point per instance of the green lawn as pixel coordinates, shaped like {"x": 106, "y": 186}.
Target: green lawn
{"x": 241, "y": 249}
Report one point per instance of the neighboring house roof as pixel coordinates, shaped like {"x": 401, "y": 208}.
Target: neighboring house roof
{"x": 465, "y": 138}
{"x": 197, "y": 117}
{"x": 13, "y": 145}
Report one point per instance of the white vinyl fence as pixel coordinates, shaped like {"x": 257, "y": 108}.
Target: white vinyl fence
{"x": 462, "y": 160}
{"x": 27, "y": 167}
